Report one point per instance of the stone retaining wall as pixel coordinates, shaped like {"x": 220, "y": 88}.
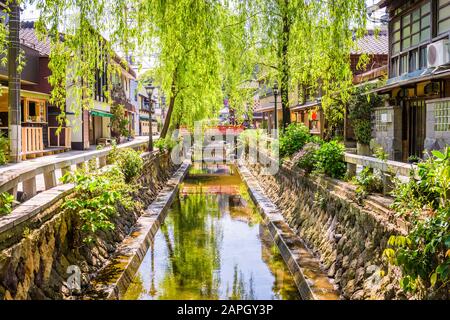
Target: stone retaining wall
{"x": 348, "y": 239}
{"x": 35, "y": 252}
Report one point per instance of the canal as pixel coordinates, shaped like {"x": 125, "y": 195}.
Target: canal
{"x": 213, "y": 245}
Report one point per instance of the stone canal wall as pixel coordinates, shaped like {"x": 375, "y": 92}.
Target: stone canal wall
{"x": 349, "y": 239}
{"x": 39, "y": 240}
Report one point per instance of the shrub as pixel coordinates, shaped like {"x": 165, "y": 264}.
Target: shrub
{"x": 113, "y": 154}
{"x": 130, "y": 163}
{"x": 306, "y": 158}
{"x": 424, "y": 254}
{"x": 293, "y": 139}
{"x": 165, "y": 144}
{"x": 360, "y": 108}
{"x": 4, "y": 149}
{"x": 97, "y": 197}
{"x": 6, "y": 203}
{"x": 119, "y": 121}
{"x": 368, "y": 181}
{"x": 330, "y": 159}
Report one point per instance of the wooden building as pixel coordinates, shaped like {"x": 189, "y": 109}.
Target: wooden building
{"x": 38, "y": 117}
{"x": 416, "y": 117}
{"x": 306, "y": 105}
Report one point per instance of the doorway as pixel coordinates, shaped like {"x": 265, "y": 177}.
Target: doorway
{"x": 414, "y": 114}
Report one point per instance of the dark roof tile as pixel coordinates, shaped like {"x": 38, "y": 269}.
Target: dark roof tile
{"x": 372, "y": 44}
{"x": 29, "y": 38}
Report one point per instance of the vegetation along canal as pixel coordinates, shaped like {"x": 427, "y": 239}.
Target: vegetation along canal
{"x": 213, "y": 245}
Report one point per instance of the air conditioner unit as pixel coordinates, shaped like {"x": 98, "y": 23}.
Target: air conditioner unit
{"x": 438, "y": 53}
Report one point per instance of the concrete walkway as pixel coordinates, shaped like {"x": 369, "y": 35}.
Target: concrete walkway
{"x": 7, "y": 170}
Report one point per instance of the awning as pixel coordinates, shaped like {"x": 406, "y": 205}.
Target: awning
{"x": 411, "y": 79}
{"x": 99, "y": 113}
{"x": 146, "y": 118}
{"x": 308, "y": 105}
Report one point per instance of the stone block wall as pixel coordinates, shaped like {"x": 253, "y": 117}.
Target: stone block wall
{"x": 34, "y": 262}
{"x": 436, "y": 139}
{"x": 348, "y": 239}
{"x": 388, "y": 135}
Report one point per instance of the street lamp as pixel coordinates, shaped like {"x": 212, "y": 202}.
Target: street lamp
{"x": 275, "y": 114}
{"x": 149, "y": 88}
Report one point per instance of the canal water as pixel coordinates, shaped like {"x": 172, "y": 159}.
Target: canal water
{"x": 213, "y": 245}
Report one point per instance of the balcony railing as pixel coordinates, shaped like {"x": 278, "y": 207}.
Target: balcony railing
{"x": 60, "y": 138}
{"x": 32, "y": 140}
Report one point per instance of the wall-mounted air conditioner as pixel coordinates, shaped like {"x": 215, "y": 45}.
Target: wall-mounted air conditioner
{"x": 438, "y": 53}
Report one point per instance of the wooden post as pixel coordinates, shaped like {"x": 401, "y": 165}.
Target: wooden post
{"x": 50, "y": 179}
{"x": 14, "y": 83}
{"x": 29, "y": 187}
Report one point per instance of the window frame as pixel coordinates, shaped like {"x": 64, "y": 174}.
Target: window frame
{"x": 41, "y": 110}
{"x": 418, "y": 49}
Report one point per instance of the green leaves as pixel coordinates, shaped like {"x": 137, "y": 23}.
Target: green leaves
{"x": 330, "y": 159}
{"x": 6, "y": 203}
{"x": 423, "y": 255}
{"x": 98, "y": 196}
{"x": 293, "y": 139}
{"x": 4, "y": 149}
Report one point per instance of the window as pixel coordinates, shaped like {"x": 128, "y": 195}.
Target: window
{"x": 442, "y": 116}
{"x": 423, "y": 57}
{"x": 394, "y": 68}
{"x": 33, "y": 110}
{"x": 415, "y": 28}
{"x": 443, "y": 16}
{"x": 411, "y": 32}
{"x": 396, "y": 37}
{"x": 403, "y": 67}
{"x": 412, "y": 61}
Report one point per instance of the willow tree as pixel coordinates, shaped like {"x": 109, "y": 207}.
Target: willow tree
{"x": 205, "y": 50}
{"x": 306, "y": 43}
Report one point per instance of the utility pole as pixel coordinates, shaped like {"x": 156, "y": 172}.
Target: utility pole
{"x": 15, "y": 141}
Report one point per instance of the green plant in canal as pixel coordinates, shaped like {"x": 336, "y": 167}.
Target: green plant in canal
{"x": 424, "y": 253}
{"x": 306, "y": 158}
{"x": 6, "y": 203}
{"x": 130, "y": 163}
{"x": 4, "y": 149}
{"x": 330, "y": 159}
{"x": 97, "y": 198}
{"x": 113, "y": 154}
{"x": 165, "y": 144}
{"x": 367, "y": 182}
{"x": 128, "y": 160}
{"x": 293, "y": 139}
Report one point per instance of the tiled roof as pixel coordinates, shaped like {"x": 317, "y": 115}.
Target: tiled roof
{"x": 372, "y": 44}
{"x": 28, "y": 38}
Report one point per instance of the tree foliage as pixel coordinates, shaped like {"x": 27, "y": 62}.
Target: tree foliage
{"x": 204, "y": 51}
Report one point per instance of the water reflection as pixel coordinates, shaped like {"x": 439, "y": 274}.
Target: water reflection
{"x": 213, "y": 246}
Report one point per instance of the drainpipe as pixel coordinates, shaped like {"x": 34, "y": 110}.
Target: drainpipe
{"x": 14, "y": 110}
